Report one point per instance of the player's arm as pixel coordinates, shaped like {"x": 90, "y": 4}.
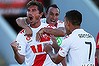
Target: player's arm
{"x": 62, "y": 29}
{"x": 55, "y": 32}
{"x": 56, "y": 48}
{"x": 56, "y": 58}
{"x": 19, "y": 58}
{"x": 24, "y": 24}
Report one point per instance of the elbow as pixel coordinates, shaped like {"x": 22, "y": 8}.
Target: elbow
{"x": 17, "y": 20}
{"x": 56, "y": 62}
{"x": 20, "y": 62}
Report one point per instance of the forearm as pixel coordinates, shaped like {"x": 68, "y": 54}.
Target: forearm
{"x": 19, "y": 58}
{"x": 63, "y": 62}
{"x": 21, "y": 22}
{"x": 56, "y": 47}
{"x": 53, "y": 57}
{"x": 56, "y": 58}
{"x": 55, "y": 32}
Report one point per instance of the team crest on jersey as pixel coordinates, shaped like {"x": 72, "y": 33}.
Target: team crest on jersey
{"x": 28, "y": 39}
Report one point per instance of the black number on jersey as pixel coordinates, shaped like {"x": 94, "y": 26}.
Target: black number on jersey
{"x": 90, "y": 49}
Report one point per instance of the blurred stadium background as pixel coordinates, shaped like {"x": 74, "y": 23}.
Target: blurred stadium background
{"x": 12, "y": 9}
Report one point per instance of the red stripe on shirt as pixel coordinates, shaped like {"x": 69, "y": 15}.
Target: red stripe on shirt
{"x": 39, "y": 60}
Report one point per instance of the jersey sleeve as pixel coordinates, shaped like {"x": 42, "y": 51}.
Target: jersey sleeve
{"x": 65, "y": 46}
{"x": 20, "y": 40}
{"x": 97, "y": 41}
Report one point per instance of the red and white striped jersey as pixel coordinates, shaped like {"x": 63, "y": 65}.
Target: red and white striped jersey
{"x": 33, "y": 50}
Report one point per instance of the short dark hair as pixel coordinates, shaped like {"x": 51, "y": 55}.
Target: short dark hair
{"x": 74, "y": 16}
{"x": 39, "y": 4}
{"x": 54, "y": 6}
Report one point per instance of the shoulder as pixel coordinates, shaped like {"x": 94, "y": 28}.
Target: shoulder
{"x": 21, "y": 33}
{"x": 60, "y": 23}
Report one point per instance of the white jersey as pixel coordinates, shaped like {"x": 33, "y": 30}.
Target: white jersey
{"x": 59, "y": 24}
{"x": 79, "y": 48}
{"x": 33, "y": 50}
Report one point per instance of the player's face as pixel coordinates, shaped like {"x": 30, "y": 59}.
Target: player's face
{"x": 33, "y": 14}
{"x": 67, "y": 26}
{"x": 52, "y": 15}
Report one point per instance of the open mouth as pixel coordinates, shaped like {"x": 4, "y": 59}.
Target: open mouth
{"x": 30, "y": 17}
{"x": 52, "y": 21}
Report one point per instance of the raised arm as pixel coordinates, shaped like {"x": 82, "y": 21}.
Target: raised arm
{"x": 24, "y": 24}
{"x": 19, "y": 58}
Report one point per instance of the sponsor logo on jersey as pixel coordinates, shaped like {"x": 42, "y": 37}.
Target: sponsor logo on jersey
{"x": 59, "y": 40}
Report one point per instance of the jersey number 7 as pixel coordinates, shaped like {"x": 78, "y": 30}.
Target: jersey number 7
{"x": 90, "y": 49}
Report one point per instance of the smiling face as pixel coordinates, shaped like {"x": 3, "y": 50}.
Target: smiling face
{"x": 52, "y": 15}
{"x": 33, "y": 14}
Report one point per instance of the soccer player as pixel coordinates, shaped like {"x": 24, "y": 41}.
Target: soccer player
{"x": 97, "y": 51}
{"x": 27, "y": 48}
{"x": 52, "y": 15}
{"x": 79, "y": 47}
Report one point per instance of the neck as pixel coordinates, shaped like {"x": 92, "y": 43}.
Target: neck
{"x": 75, "y": 27}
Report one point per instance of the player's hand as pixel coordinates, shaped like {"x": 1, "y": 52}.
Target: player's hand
{"x": 47, "y": 48}
{"x": 14, "y": 46}
{"x": 53, "y": 38}
{"x": 39, "y": 34}
{"x": 28, "y": 31}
